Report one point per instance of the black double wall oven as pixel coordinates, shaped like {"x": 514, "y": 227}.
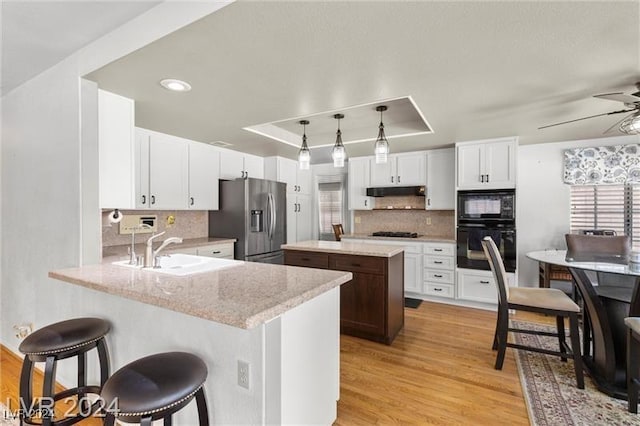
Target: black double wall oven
{"x": 484, "y": 213}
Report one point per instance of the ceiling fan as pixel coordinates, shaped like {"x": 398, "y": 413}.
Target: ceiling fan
{"x": 629, "y": 124}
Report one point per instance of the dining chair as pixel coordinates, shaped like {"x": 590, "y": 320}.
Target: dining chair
{"x": 548, "y": 301}
{"x": 338, "y": 231}
{"x": 633, "y": 355}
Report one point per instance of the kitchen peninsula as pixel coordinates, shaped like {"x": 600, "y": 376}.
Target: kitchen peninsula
{"x": 282, "y": 321}
{"x": 372, "y": 304}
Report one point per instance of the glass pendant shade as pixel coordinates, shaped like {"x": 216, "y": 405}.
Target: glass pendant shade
{"x": 304, "y": 155}
{"x": 338, "y": 153}
{"x": 631, "y": 125}
{"x": 381, "y": 148}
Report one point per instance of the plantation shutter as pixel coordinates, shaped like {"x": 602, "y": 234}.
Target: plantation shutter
{"x": 330, "y": 207}
{"x": 614, "y": 207}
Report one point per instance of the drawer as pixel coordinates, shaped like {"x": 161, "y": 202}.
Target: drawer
{"x": 440, "y": 290}
{"x": 440, "y": 249}
{"x": 438, "y": 276}
{"x": 218, "y": 250}
{"x": 439, "y": 262}
{"x": 364, "y": 264}
{"x": 477, "y": 286}
{"x": 413, "y": 248}
{"x": 306, "y": 258}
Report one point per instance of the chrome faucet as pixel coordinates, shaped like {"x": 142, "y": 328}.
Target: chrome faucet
{"x": 150, "y": 255}
{"x": 133, "y": 258}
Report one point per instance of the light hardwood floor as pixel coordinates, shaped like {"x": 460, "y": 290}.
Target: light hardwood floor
{"x": 439, "y": 370}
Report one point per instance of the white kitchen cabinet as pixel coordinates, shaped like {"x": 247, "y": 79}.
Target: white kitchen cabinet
{"x": 222, "y": 251}
{"x": 173, "y": 173}
{"x": 479, "y": 286}
{"x": 439, "y": 269}
{"x": 288, "y": 171}
{"x": 203, "y": 176}
{"x": 168, "y": 172}
{"x": 299, "y": 218}
{"x": 487, "y": 164}
{"x": 358, "y": 179}
{"x": 400, "y": 169}
{"x": 235, "y": 164}
{"x": 116, "y": 144}
{"x": 440, "y": 189}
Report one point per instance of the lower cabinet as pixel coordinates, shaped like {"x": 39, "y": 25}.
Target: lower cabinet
{"x": 222, "y": 251}
{"x": 372, "y": 303}
{"x": 479, "y": 286}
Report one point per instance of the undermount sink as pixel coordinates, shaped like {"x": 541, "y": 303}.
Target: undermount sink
{"x": 184, "y": 264}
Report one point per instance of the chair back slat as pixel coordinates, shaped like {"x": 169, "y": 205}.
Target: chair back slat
{"x": 338, "y": 230}
{"x": 497, "y": 267}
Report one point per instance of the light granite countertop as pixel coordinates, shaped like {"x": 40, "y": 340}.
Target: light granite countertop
{"x": 419, "y": 239}
{"x": 123, "y": 250}
{"x": 345, "y": 247}
{"x": 242, "y": 295}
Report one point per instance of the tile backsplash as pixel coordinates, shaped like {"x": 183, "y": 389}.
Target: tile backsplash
{"x": 399, "y": 220}
{"x": 188, "y": 224}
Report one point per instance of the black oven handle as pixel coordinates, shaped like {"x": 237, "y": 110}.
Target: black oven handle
{"x": 473, "y": 228}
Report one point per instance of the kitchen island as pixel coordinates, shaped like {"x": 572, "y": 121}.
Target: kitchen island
{"x": 372, "y": 304}
{"x": 282, "y": 321}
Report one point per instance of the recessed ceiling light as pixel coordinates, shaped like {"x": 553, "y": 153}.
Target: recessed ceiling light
{"x": 175, "y": 85}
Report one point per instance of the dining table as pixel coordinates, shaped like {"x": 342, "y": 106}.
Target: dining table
{"x": 608, "y": 287}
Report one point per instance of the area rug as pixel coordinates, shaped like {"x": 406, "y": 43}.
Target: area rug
{"x": 411, "y": 303}
{"x": 549, "y": 388}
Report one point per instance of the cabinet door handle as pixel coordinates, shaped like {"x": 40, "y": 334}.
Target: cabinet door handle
{"x": 484, "y": 282}
{"x": 391, "y": 179}
{"x": 428, "y": 201}
{"x": 365, "y": 203}
{"x": 192, "y": 200}
{"x": 398, "y": 178}
{"x": 437, "y": 275}
{"x": 153, "y": 199}
{"x": 487, "y": 178}
{"x": 144, "y": 199}
{"x": 481, "y": 178}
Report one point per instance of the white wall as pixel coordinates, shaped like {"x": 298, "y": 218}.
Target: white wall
{"x": 543, "y": 199}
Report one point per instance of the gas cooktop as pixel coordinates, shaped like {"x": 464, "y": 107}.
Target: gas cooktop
{"x": 395, "y": 234}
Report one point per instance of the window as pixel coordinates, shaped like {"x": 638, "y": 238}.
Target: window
{"x": 615, "y": 207}
{"x": 330, "y": 199}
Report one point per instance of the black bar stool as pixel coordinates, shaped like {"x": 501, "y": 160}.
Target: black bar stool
{"x": 633, "y": 355}
{"x": 154, "y": 388}
{"x": 53, "y": 343}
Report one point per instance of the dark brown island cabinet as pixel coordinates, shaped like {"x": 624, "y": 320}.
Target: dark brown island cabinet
{"x": 372, "y": 304}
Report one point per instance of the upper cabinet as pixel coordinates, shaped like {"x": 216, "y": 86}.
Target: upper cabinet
{"x": 235, "y": 164}
{"x": 116, "y": 166}
{"x": 203, "y": 176}
{"x": 359, "y": 181}
{"x": 487, "y": 164}
{"x": 400, "y": 169}
{"x": 440, "y": 190}
{"x": 286, "y": 170}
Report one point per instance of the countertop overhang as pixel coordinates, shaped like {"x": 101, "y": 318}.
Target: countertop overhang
{"x": 345, "y": 247}
{"x": 419, "y": 239}
{"x": 243, "y": 295}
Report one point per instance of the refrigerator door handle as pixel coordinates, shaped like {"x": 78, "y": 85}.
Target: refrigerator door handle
{"x": 273, "y": 218}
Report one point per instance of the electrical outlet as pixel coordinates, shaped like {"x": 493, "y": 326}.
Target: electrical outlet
{"x": 357, "y": 219}
{"x": 243, "y": 374}
{"x": 428, "y": 220}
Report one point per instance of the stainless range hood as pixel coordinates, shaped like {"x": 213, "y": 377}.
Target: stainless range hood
{"x": 387, "y": 191}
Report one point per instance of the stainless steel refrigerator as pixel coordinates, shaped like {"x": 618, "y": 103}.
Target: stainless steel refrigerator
{"x": 254, "y": 212}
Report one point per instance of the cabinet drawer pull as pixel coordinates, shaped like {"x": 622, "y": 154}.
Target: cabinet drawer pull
{"x": 437, "y": 275}
{"x": 437, "y": 289}
{"x": 437, "y": 249}
{"x": 306, "y": 259}
{"x": 484, "y": 282}
{"x": 357, "y": 265}
{"x": 216, "y": 252}
{"x": 438, "y": 262}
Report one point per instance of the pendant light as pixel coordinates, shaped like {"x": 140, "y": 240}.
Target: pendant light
{"x": 338, "y": 153}
{"x": 304, "y": 155}
{"x": 381, "y": 149}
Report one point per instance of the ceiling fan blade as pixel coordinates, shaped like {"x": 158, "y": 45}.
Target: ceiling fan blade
{"x": 586, "y": 118}
{"x": 617, "y": 123}
{"x": 619, "y": 97}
